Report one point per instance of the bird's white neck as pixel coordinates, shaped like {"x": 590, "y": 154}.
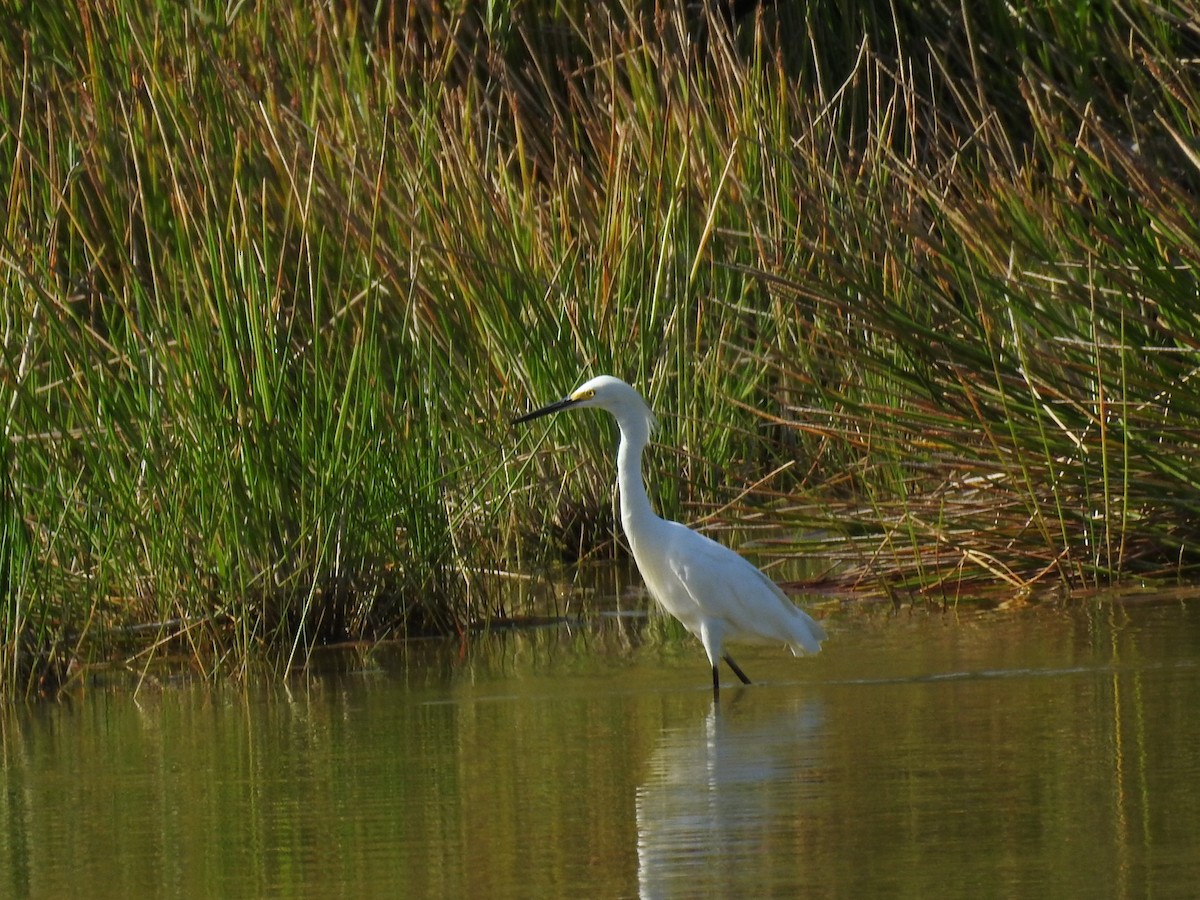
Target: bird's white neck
{"x": 635, "y": 504}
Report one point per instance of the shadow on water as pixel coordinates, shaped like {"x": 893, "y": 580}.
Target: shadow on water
{"x": 1042, "y": 750}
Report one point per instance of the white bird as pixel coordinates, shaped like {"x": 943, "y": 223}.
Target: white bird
{"x": 718, "y": 595}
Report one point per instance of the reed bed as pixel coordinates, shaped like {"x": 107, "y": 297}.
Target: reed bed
{"x": 915, "y": 284}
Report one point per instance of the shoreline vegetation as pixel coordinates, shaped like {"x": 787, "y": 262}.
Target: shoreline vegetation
{"x": 915, "y": 283}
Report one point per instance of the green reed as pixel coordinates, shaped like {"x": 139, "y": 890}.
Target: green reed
{"x": 919, "y": 290}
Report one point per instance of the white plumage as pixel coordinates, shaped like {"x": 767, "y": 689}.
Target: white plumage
{"x": 718, "y": 595}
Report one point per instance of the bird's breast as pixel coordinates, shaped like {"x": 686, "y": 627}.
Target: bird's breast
{"x": 667, "y": 590}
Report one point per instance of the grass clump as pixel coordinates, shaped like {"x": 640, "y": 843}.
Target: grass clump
{"x": 274, "y": 279}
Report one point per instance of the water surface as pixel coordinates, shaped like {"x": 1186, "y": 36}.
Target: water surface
{"x": 1052, "y": 750}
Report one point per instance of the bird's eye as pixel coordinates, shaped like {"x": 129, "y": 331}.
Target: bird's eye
{"x": 585, "y": 395}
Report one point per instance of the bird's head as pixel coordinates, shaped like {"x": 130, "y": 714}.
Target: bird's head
{"x": 607, "y": 393}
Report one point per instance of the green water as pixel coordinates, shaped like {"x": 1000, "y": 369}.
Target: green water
{"x": 1051, "y": 751}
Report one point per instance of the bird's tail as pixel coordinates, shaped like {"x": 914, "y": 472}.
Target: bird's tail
{"x": 807, "y": 635}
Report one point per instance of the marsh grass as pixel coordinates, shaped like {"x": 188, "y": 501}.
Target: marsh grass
{"x": 918, "y": 287}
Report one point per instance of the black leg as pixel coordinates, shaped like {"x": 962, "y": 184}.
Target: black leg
{"x": 716, "y": 684}
{"x": 736, "y": 670}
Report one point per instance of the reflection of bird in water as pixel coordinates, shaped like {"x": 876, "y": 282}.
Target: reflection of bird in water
{"x": 714, "y": 592}
{"x": 716, "y": 793}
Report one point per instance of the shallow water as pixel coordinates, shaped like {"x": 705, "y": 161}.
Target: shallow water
{"x": 1051, "y": 750}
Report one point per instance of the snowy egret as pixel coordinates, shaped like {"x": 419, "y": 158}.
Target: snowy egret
{"x": 717, "y": 594}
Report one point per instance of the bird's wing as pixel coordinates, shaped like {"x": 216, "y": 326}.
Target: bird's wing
{"x": 727, "y": 586}
{"x": 721, "y": 582}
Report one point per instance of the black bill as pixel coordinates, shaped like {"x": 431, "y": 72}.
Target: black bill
{"x": 545, "y": 410}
